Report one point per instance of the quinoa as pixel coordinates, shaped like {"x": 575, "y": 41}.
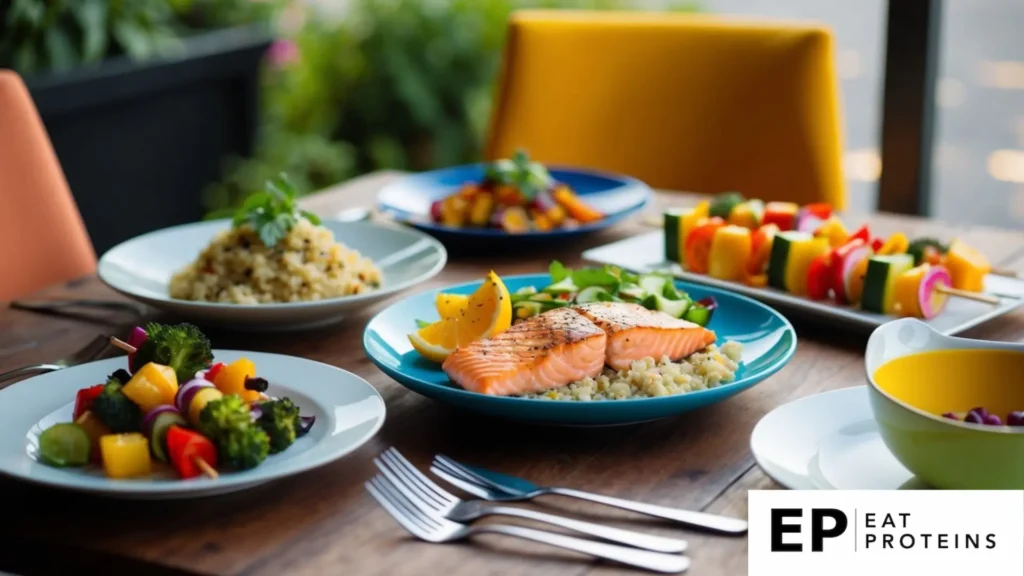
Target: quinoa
{"x": 236, "y": 267}
{"x": 648, "y": 378}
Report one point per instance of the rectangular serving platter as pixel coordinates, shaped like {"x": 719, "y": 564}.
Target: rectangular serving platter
{"x": 646, "y": 253}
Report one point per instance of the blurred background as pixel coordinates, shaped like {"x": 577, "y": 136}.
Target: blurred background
{"x": 180, "y": 108}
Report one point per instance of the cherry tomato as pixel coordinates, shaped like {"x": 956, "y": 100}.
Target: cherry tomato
{"x": 698, "y": 245}
{"x": 819, "y": 281}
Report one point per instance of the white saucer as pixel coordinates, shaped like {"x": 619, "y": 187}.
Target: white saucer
{"x": 828, "y": 441}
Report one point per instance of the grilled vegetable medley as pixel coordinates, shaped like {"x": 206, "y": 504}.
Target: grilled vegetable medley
{"x": 176, "y": 406}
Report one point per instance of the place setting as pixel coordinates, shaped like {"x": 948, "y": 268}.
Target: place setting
{"x": 431, "y": 513}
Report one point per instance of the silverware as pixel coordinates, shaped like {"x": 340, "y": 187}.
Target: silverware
{"x": 435, "y": 528}
{"x": 87, "y": 353}
{"x": 502, "y": 488}
{"x": 418, "y": 487}
{"x": 51, "y": 305}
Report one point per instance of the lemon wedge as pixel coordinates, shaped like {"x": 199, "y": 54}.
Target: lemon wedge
{"x": 485, "y": 313}
{"x": 451, "y": 305}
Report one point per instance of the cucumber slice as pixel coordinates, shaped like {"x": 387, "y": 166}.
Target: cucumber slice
{"x": 523, "y": 293}
{"x": 723, "y": 204}
{"x": 880, "y": 280}
{"x": 673, "y": 293}
{"x": 673, "y": 228}
{"x": 699, "y": 315}
{"x": 64, "y": 444}
{"x": 564, "y": 287}
{"x": 653, "y": 284}
{"x": 778, "y": 261}
{"x": 593, "y": 294}
{"x": 632, "y": 291}
{"x": 158, "y": 439}
{"x": 674, "y": 308}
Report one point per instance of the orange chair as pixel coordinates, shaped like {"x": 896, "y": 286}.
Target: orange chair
{"x": 42, "y": 237}
{"x": 683, "y": 102}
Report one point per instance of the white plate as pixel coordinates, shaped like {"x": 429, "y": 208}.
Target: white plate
{"x": 828, "y": 441}
{"x": 348, "y": 411}
{"x": 141, "y": 268}
{"x": 645, "y": 253}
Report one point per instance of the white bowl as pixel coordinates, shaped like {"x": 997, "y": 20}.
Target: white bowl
{"x": 141, "y": 268}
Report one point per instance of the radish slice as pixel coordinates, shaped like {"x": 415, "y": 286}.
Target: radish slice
{"x": 183, "y": 398}
{"x": 931, "y": 300}
{"x": 807, "y": 222}
{"x": 150, "y": 418}
{"x": 850, "y": 264}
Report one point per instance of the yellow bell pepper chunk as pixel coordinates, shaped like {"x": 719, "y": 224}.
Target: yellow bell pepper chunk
{"x": 835, "y": 231}
{"x": 757, "y": 280}
{"x": 691, "y": 220}
{"x": 480, "y": 211}
{"x": 199, "y": 401}
{"x": 855, "y": 289}
{"x": 730, "y": 252}
{"x": 231, "y": 379}
{"x": 905, "y": 292}
{"x": 747, "y": 214}
{"x": 967, "y": 267}
{"x": 799, "y": 262}
{"x": 126, "y": 455}
{"x": 153, "y": 385}
{"x": 895, "y": 244}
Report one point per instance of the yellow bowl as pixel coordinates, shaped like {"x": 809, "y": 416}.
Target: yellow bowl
{"x": 917, "y": 374}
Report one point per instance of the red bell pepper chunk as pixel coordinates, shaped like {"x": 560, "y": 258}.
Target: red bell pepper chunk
{"x": 698, "y": 245}
{"x": 820, "y": 210}
{"x": 185, "y": 447}
{"x": 211, "y": 374}
{"x": 863, "y": 233}
{"x": 819, "y": 281}
{"x": 877, "y": 244}
{"x": 84, "y": 399}
{"x": 782, "y": 214}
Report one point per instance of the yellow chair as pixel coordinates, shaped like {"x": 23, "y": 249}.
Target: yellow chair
{"x": 683, "y": 102}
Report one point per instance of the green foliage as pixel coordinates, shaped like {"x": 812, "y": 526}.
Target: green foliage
{"x": 273, "y": 212}
{"x": 402, "y": 84}
{"x": 58, "y": 35}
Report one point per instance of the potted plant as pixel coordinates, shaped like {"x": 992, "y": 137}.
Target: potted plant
{"x": 142, "y": 99}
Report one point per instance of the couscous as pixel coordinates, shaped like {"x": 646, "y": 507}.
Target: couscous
{"x": 306, "y": 264}
{"x": 649, "y": 378}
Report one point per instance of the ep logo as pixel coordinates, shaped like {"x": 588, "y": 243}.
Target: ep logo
{"x": 825, "y": 523}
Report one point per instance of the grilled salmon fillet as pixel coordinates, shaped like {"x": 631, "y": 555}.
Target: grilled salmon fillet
{"x": 635, "y": 332}
{"x": 543, "y": 352}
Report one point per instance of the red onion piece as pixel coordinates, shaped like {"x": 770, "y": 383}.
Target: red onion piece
{"x": 306, "y": 423}
{"x": 187, "y": 391}
{"x": 150, "y": 418}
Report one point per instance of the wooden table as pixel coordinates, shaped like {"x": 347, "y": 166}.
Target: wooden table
{"x": 322, "y": 522}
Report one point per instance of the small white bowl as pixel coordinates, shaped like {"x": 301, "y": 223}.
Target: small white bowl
{"x": 141, "y": 268}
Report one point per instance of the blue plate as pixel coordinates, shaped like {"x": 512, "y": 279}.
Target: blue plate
{"x": 409, "y": 200}
{"x": 768, "y": 342}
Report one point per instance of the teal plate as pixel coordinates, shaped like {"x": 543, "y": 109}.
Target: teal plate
{"x": 768, "y": 342}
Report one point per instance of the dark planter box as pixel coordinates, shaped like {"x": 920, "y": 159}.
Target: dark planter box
{"x": 138, "y": 141}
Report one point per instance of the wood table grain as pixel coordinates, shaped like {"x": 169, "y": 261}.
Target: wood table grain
{"x": 322, "y": 522}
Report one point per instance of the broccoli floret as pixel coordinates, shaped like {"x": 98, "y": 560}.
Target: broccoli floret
{"x": 181, "y": 346}
{"x": 115, "y": 409}
{"x": 280, "y": 420}
{"x": 225, "y": 413}
{"x": 227, "y": 422}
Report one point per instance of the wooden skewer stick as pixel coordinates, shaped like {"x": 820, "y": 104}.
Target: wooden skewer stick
{"x": 1004, "y": 272}
{"x": 206, "y": 468}
{"x": 976, "y": 296}
{"x": 116, "y": 343}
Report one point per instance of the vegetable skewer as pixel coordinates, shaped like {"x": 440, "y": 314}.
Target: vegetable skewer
{"x": 118, "y": 343}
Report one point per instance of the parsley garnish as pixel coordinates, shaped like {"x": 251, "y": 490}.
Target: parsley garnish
{"x": 273, "y": 212}
{"x": 529, "y": 177}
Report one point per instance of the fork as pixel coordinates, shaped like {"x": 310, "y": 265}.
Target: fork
{"x": 419, "y": 488}
{"x": 86, "y": 354}
{"x": 51, "y": 305}
{"x": 437, "y": 529}
{"x": 501, "y": 488}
